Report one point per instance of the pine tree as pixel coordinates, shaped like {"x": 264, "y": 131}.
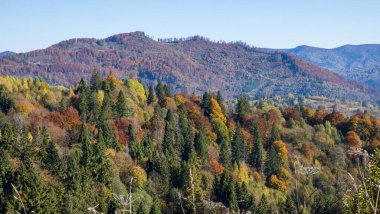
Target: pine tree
{"x": 150, "y": 98}
{"x": 103, "y": 168}
{"x": 49, "y": 154}
{"x": 225, "y": 155}
{"x": 160, "y": 93}
{"x": 242, "y": 108}
{"x": 134, "y": 145}
{"x": 6, "y": 177}
{"x": 201, "y": 142}
{"x": 238, "y": 146}
{"x": 167, "y": 90}
{"x": 96, "y": 81}
{"x": 108, "y": 104}
{"x": 85, "y": 141}
{"x": 121, "y": 105}
{"x": 256, "y": 157}
{"x": 74, "y": 171}
{"x": 169, "y": 135}
{"x": 220, "y": 100}
{"x": 206, "y": 103}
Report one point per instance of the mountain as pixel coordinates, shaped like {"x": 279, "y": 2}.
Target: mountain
{"x": 6, "y": 53}
{"x": 355, "y": 62}
{"x": 195, "y": 62}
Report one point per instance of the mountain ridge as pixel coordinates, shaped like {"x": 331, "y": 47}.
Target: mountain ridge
{"x": 197, "y": 62}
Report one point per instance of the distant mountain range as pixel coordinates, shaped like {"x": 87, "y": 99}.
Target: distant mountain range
{"x": 6, "y": 53}
{"x": 195, "y": 63}
{"x": 355, "y": 62}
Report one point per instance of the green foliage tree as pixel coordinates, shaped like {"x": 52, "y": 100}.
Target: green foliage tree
{"x": 121, "y": 105}
{"x": 242, "y": 108}
{"x": 201, "y": 142}
{"x": 225, "y": 155}
{"x": 6, "y": 102}
{"x": 256, "y": 157}
{"x": 160, "y": 91}
{"x": 49, "y": 157}
{"x": 238, "y": 146}
{"x": 96, "y": 81}
{"x": 150, "y": 98}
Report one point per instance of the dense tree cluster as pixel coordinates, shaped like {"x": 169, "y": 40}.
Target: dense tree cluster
{"x": 112, "y": 145}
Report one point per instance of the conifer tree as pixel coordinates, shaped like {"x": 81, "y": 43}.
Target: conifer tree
{"x": 103, "y": 170}
{"x": 242, "y": 108}
{"x": 169, "y": 135}
{"x": 6, "y": 177}
{"x": 150, "y": 98}
{"x": 134, "y": 145}
{"x": 49, "y": 157}
{"x": 238, "y": 146}
{"x": 256, "y": 157}
{"x": 121, "y": 105}
{"x": 167, "y": 90}
{"x": 206, "y": 103}
{"x": 96, "y": 81}
{"x": 85, "y": 141}
{"x": 225, "y": 154}
{"x": 201, "y": 142}
{"x": 160, "y": 93}
{"x": 220, "y": 100}
{"x": 74, "y": 171}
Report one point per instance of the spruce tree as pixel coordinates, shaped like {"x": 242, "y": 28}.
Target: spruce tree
{"x": 242, "y": 108}
{"x": 256, "y": 157}
{"x": 96, "y": 81}
{"x": 85, "y": 141}
{"x": 206, "y": 103}
{"x": 134, "y": 145}
{"x": 103, "y": 170}
{"x": 121, "y": 105}
{"x": 160, "y": 93}
{"x": 169, "y": 135}
{"x": 150, "y": 98}
{"x": 238, "y": 146}
{"x": 225, "y": 154}
{"x": 6, "y": 177}
{"x": 220, "y": 100}
{"x": 201, "y": 142}
{"x": 167, "y": 90}
{"x": 49, "y": 157}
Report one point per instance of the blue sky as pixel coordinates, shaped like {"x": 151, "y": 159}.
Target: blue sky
{"x": 27, "y": 25}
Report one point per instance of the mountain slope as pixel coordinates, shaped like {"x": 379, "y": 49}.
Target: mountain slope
{"x": 356, "y": 62}
{"x": 6, "y": 53}
{"x": 197, "y": 63}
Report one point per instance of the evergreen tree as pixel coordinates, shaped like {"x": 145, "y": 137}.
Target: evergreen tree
{"x": 246, "y": 200}
{"x": 121, "y": 105}
{"x": 160, "y": 93}
{"x": 167, "y": 90}
{"x": 6, "y": 177}
{"x": 238, "y": 146}
{"x": 74, "y": 171}
{"x": 220, "y": 100}
{"x": 288, "y": 206}
{"x": 103, "y": 168}
{"x": 38, "y": 197}
{"x": 107, "y": 113}
{"x": 150, "y": 98}
{"x": 49, "y": 154}
{"x": 6, "y": 102}
{"x": 263, "y": 207}
{"x": 225, "y": 154}
{"x": 134, "y": 145}
{"x": 242, "y": 108}
{"x": 85, "y": 141}
{"x": 256, "y": 157}
{"x": 96, "y": 81}
{"x": 201, "y": 142}
{"x": 169, "y": 135}
{"x": 206, "y": 103}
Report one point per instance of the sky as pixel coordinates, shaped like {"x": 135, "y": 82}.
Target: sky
{"x": 27, "y": 25}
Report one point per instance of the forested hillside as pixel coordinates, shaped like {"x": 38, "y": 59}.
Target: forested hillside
{"x": 355, "y": 62}
{"x": 195, "y": 64}
{"x": 114, "y": 145}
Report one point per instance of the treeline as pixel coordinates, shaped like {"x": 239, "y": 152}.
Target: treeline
{"x": 114, "y": 145}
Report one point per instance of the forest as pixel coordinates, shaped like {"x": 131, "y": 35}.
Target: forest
{"x": 118, "y": 146}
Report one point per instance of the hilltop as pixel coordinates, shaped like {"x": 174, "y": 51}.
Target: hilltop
{"x": 195, "y": 62}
